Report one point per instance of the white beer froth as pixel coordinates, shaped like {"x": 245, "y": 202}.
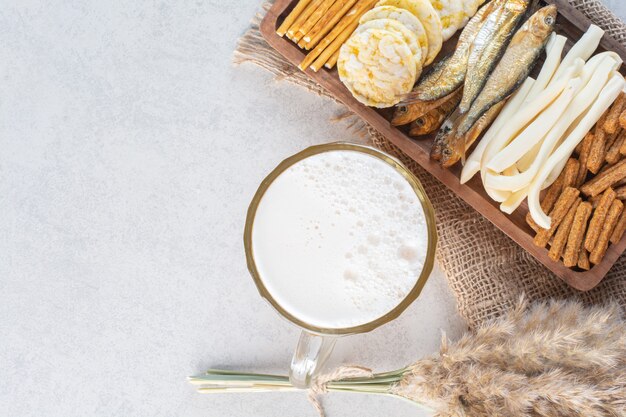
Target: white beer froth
{"x": 339, "y": 239}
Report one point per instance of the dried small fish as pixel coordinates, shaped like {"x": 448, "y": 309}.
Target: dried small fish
{"x": 517, "y": 62}
{"x": 448, "y": 74}
{"x": 406, "y": 114}
{"x": 481, "y": 124}
{"x": 432, "y": 120}
{"x": 489, "y": 44}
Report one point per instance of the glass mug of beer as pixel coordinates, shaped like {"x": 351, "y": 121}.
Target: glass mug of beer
{"x": 340, "y": 239}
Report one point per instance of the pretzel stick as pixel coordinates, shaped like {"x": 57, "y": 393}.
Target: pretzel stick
{"x": 306, "y": 13}
{"x": 337, "y": 36}
{"x": 313, "y": 19}
{"x": 560, "y": 237}
{"x": 282, "y": 29}
{"x": 558, "y": 213}
{"x": 582, "y": 158}
{"x": 613, "y": 154}
{"x": 620, "y": 193}
{"x": 602, "y": 245}
{"x": 327, "y": 22}
{"x": 612, "y": 119}
{"x": 605, "y": 180}
{"x": 576, "y": 234}
{"x": 597, "y": 221}
{"x": 332, "y": 60}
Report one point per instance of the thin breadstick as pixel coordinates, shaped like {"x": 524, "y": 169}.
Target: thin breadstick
{"x": 332, "y": 61}
{"x": 327, "y": 22}
{"x": 605, "y": 180}
{"x": 338, "y": 35}
{"x": 598, "y": 218}
{"x": 334, "y": 47}
{"x": 612, "y": 119}
{"x": 619, "y": 230}
{"x": 598, "y": 147}
{"x": 304, "y": 16}
{"x": 583, "y": 260}
{"x": 576, "y": 234}
{"x": 291, "y": 17}
{"x": 620, "y": 193}
{"x": 613, "y": 155}
{"x": 558, "y": 213}
{"x": 615, "y": 211}
{"x": 313, "y": 19}
{"x": 582, "y": 158}
{"x": 562, "y": 232}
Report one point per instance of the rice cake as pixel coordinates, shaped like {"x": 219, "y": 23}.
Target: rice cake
{"x": 377, "y": 66}
{"x": 451, "y": 13}
{"x": 398, "y": 28}
{"x": 403, "y": 16}
{"x": 424, "y": 11}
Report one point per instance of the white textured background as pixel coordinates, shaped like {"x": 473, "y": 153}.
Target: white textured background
{"x": 129, "y": 150}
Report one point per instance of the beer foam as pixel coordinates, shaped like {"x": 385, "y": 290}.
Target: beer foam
{"x": 339, "y": 239}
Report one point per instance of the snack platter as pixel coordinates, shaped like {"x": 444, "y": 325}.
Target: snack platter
{"x": 571, "y": 24}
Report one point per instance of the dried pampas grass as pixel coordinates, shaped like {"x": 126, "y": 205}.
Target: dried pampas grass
{"x": 553, "y": 359}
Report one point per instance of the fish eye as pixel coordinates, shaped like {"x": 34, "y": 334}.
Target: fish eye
{"x": 419, "y": 122}
{"x": 549, "y": 20}
{"x": 402, "y": 109}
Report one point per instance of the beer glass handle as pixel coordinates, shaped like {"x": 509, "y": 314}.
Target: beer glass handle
{"x": 310, "y": 355}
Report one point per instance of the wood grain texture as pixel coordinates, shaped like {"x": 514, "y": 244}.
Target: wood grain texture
{"x": 570, "y": 23}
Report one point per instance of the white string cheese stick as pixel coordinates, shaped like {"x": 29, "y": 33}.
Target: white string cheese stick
{"x": 555, "y": 173}
{"x": 583, "y": 49}
{"x": 604, "y": 100}
{"x": 525, "y": 114}
{"x": 520, "y": 119}
{"x": 602, "y": 66}
{"x": 575, "y": 107}
{"x": 525, "y": 161}
{"x": 515, "y": 199}
{"x": 535, "y": 131}
{"x": 588, "y": 70}
{"x": 554, "y": 50}
{"x": 472, "y": 163}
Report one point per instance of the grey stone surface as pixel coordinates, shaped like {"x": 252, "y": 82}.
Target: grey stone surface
{"x": 129, "y": 150}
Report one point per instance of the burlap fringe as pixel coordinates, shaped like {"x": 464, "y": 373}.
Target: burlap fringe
{"x": 485, "y": 269}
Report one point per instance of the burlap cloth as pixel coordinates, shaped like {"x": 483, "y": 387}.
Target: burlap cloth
{"x": 485, "y": 269}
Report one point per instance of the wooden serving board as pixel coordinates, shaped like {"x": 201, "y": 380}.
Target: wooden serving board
{"x": 570, "y": 23}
